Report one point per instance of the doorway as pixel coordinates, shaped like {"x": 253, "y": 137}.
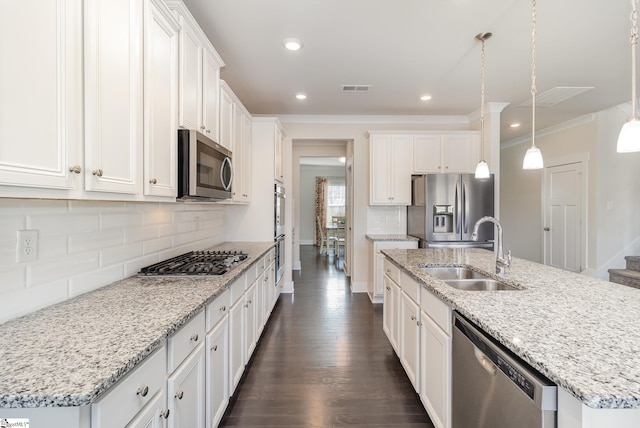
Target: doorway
{"x": 564, "y": 215}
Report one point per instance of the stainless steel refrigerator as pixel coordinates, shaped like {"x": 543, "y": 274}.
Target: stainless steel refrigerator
{"x": 445, "y": 208}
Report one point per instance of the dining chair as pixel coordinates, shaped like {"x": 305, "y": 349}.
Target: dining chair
{"x": 323, "y": 236}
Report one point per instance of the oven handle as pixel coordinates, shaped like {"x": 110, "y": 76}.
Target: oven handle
{"x": 227, "y": 160}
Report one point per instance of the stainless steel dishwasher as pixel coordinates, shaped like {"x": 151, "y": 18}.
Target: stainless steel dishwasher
{"x": 493, "y": 388}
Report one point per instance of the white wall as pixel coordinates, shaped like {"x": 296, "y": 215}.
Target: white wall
{"x": 306, "y": 198}
{"x": 84, "y": 245}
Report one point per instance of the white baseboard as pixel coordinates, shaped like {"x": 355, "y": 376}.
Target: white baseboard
{"x": 296, "y": 265}
{"x": 307, "y": 242}
{"x": 359, "y": 287}
{"x": 375, "y": 299}
{"x": 287, "y": 287}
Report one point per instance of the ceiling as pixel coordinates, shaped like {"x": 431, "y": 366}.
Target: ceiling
{"x": 407, "y": 48}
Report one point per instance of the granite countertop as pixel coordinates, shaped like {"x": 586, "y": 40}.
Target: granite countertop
{"x": 70, "y": 353}
{"x": 580, "y": 332}
{"x": 390, "y": 237}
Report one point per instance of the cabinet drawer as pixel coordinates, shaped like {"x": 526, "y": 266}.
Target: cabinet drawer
{"x": 437, "y": 310}
{"x": 185, "y": 340}
{"x": 410, "y": 286}
{"x": 252, "y": 273}
{"x": 236, "y": 290}
{"x": 124, "y": 400}
{"x": 217, "y": 309}
{"x": 392, "y": 271}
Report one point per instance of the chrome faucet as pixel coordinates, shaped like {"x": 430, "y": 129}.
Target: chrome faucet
{"x": 501, "y": 261}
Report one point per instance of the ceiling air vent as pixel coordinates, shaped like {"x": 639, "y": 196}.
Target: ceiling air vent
{"x": 556, "y": 95}
{"x": 355, "y": 88}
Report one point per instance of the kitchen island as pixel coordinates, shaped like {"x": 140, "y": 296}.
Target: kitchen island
{"x": 578, "y": 331}
{"x": 69, "y": 354}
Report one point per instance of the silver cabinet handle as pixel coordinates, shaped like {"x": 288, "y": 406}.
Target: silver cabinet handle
{"x": 546, "y": 229}
{"x": 179, "y": 395}
{"x": 215, "y": 348}
{"x": 142, "y": 391}
{"x": 97, "y": 172}
{"x": 413, "y": 317}
{"x": 419, "y": 323}
{"x": 223, "y": 308}
{"x": 164, "y": 413}
{"x": 202, "y": 127}
{"x": 76, "y": 169}
{"x": 153, "y": 181}
{"x": 388, "y": 288}
{"x": 194, "y": 337}
{"x": 208, "y": 131}
{"x": 249, "y": 301}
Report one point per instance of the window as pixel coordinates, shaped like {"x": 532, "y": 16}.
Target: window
{"x": 336, "y": 199}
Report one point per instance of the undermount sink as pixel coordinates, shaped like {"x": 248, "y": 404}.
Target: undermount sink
{"x": 466, "y": 279}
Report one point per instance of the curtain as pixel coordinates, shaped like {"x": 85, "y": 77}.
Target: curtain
{"x": 321, "y": 204}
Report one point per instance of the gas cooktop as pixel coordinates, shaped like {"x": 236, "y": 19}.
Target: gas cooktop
{"x": 196, "y": 263}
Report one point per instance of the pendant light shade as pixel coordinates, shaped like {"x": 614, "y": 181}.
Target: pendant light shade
{"x": 629, "y": 137}
{"x": 533, "y": 159}
{"x": 482, "y": 169}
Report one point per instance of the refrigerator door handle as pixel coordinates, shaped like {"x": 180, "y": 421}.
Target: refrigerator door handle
{"x": 458, "y": 208}
{"x": 466, "y": 207}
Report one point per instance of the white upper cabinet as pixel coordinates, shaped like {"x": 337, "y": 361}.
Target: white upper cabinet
{"x": 160, "y": 99}
{"x": 113, "y": 95}
{"x": 41, "y": 94}
{"x": 226, "y": 117}
{"x": 278, "y": 164}
{"x": 457, "y": 152}
{"x": 390, "y": 172}
{"x": 199, "y": 76}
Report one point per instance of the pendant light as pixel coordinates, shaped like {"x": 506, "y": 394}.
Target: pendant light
{"x": 629, "y": 137}
{"x": 482, "y": 169}
{"x": 533, "y": 157}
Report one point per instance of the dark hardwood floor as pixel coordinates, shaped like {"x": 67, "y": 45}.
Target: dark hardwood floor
{"x": 324, "y": 361}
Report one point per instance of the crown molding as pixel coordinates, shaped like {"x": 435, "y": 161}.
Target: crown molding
{"x": 372, "y": 119}
{"x": 550, "y": 130}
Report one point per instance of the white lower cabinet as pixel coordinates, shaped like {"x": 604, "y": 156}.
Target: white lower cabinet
{"x": 236, "y": 344}
{"x": 410, "y": 338}
{"x": 435, "y": 371}
{"x": 153, "y": 415}
{"x": 251, "y": 327}
{"x": 130, "y": 398}
{"x": 186, "y": 392}
{"x": 391, "y": 312}
{"x": 217, "y": 382}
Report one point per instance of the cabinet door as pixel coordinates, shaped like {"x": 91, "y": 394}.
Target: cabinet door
{"x": 160, "y": 100}
{"x": 190, "y": 78}
{"x": 41, "y": 94}
{"x": 435, "y": 372}
{"x": 278, "y": 140}
{"x": 378, "y": 286}
{"x": 251, "y": 327}
{"x": 186, "y": 392}
{"x": 210, "y": 85}
{"x": 226, "y": 120}
{"x": 381, "y": 152}
{"x": 237, "y": 148}
{"x": 388, "y": 310}
{"x": 113, "y": 96}
{"x": 461, "y": 152}
{"x": 247, "y": 162}
{"x": 400, "y": 169}
{"x": 410, "y": 338}
{"x": 236, "y": 344}
{"x": 427, "y": 154}
{"x": 153, "y": 415}
{"x": 217, "y": 372}
{"x": 395, "y": 315}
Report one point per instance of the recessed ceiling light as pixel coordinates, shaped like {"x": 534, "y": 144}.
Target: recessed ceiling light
{"x": 301, "y": 96}
{"x": 515, "y": 125}
{"x": 292, "y": 44}
{"x": 425, "y": 97}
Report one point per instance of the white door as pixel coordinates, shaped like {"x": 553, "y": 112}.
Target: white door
{"x": 563, "y": 216}
{"x": 349, "y": 212}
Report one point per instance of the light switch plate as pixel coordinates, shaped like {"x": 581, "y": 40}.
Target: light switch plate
{"x": 27, "y": 246}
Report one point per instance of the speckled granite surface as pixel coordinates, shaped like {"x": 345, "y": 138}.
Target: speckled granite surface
{"x": 580, "y": 332}
{"x": 70, "y": 353}
{"x": 391, "y": 237}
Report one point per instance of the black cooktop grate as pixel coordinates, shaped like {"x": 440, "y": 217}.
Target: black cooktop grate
{"x": 196, "y": 263}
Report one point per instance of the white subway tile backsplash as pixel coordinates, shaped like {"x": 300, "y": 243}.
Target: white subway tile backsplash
{"x": 95, "y": 279}
{"x": 84, "y": 245}
{"x": 42, "y": 272}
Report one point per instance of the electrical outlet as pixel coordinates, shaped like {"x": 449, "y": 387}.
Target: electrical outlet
{"x": 27, "y": 246}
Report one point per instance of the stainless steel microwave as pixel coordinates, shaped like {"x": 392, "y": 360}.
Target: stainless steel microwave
{"x": 204, "y": 167}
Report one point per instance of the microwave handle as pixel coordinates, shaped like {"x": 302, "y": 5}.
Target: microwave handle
{"x": 227, "y": 160}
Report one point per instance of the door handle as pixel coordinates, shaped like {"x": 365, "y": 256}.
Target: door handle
{"x": 546, "y": 229}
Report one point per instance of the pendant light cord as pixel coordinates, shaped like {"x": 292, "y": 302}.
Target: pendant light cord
{"x": 533, "y": 74}
{"x": 482, "y": 102}
{"x": 634, "y": 41}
